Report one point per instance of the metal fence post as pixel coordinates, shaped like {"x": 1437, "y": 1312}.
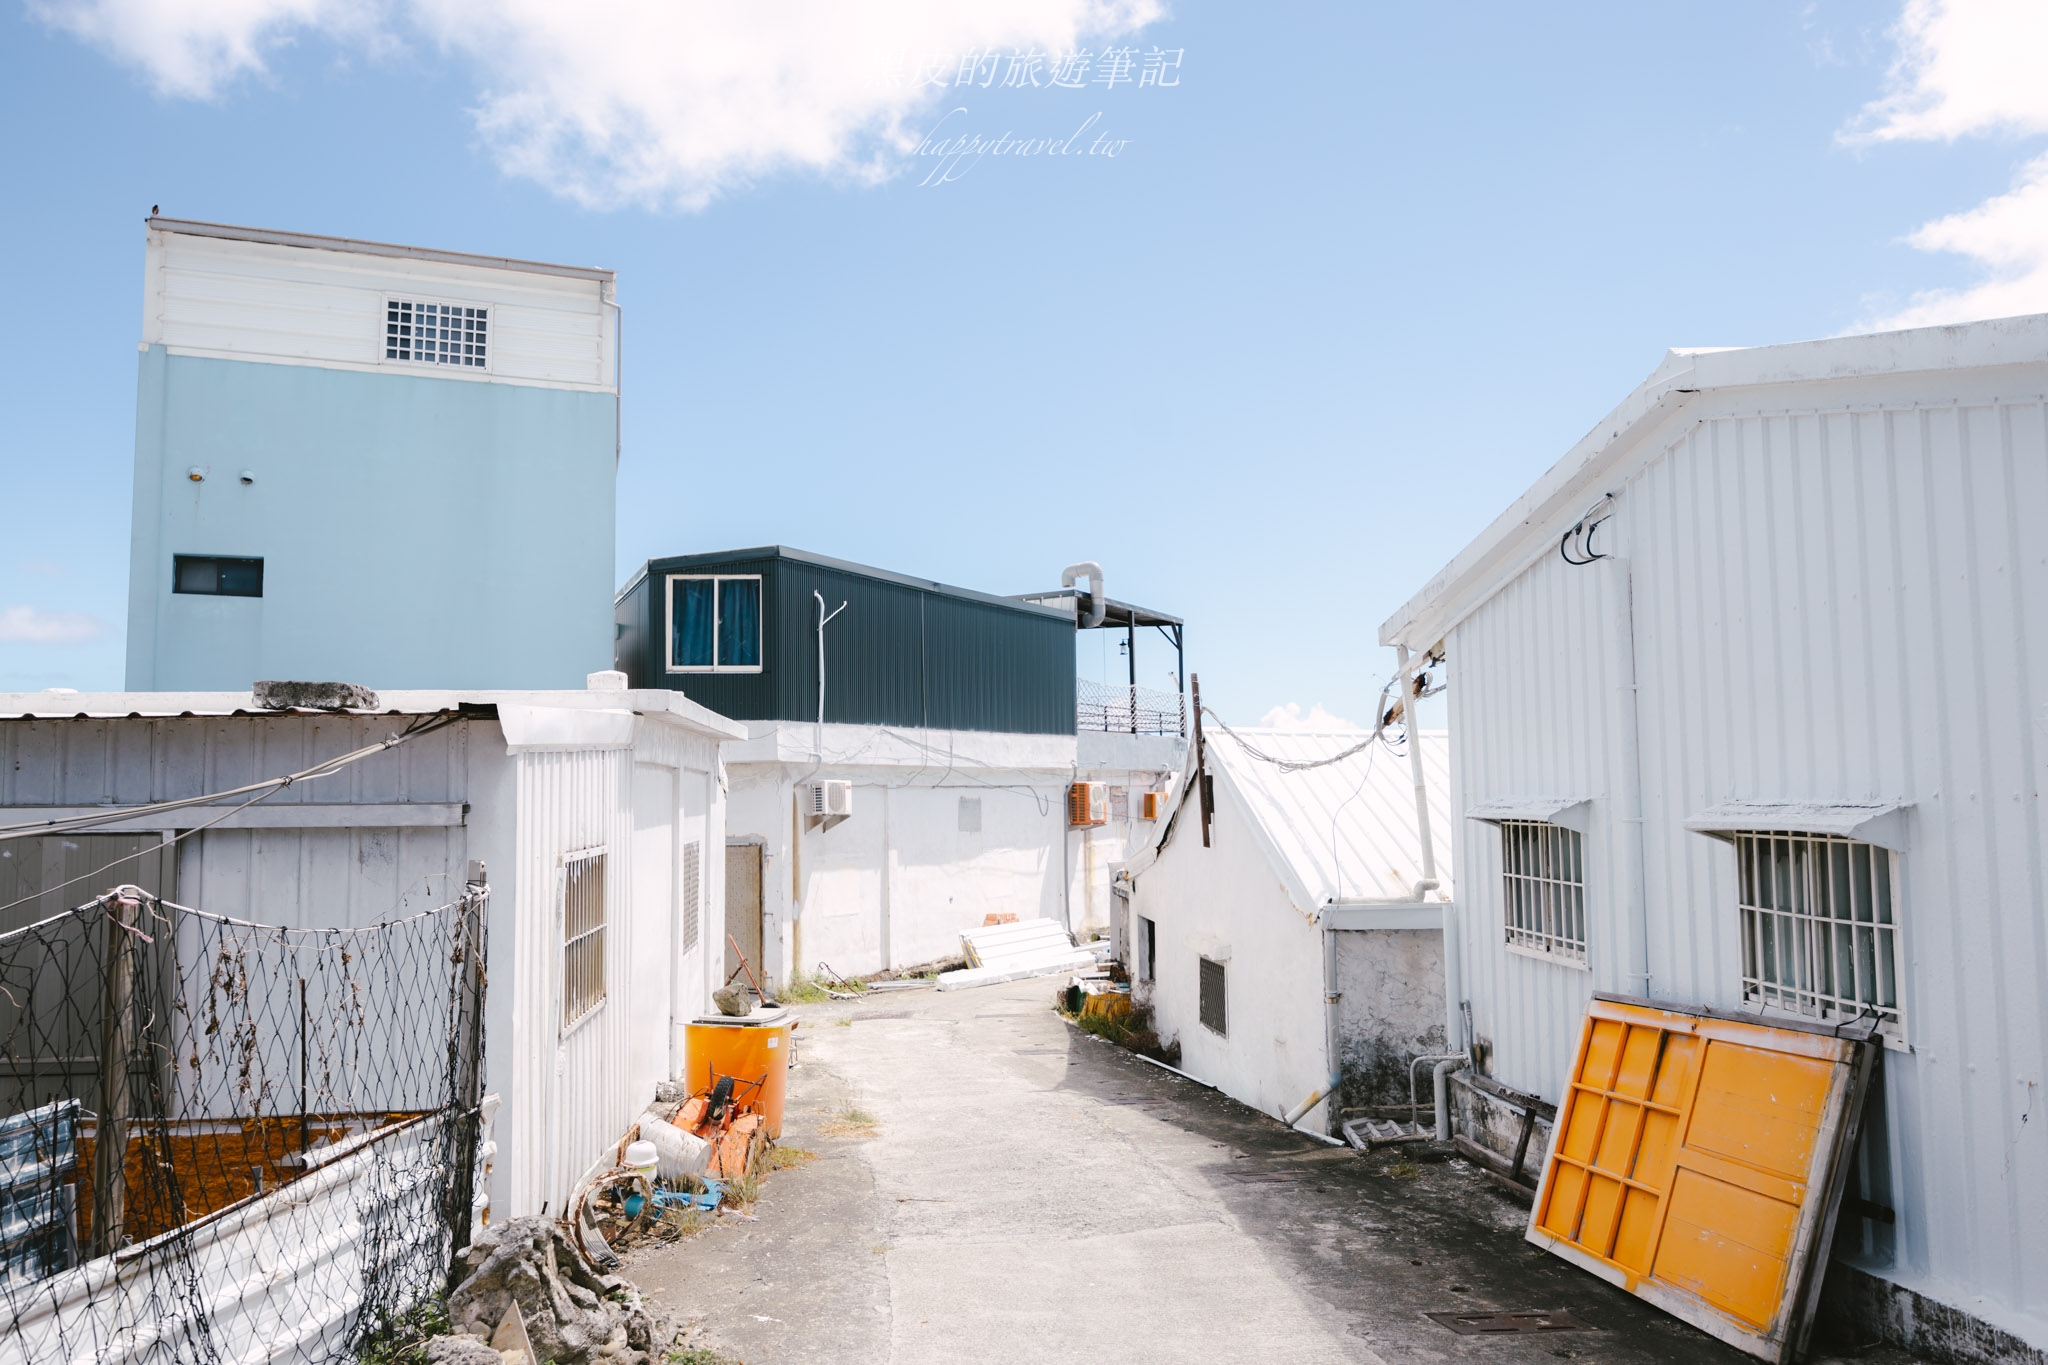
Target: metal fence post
{"x": 469, "y": 1072}
{"x": 117, "y": 1032}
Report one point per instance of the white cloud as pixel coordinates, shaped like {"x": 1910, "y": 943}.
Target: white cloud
{"x": 1964, "y": 66}
{"x": 653, "y": 102}
{"x": 1290, "y": 716}
{"x": 192, "y": 48}
{"x": 2009, "y": 236}
{"x": 34, "y": 626}
{"x": 1972, "y": 67}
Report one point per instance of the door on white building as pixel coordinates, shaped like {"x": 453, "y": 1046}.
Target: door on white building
{"x": 653, "y": 944}
{"x": 743, "y": 906}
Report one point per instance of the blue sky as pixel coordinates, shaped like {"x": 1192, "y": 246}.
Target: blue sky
{"x": 1344, "y": 291}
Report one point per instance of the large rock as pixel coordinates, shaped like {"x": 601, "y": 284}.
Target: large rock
{"x": 574, "y": 1315}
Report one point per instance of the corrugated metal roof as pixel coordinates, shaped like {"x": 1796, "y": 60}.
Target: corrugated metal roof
{"x": 1531, "y": 524}
{"x": 1346, "y": 831}
{"x": 67, "y": 705}
{"x": 274, "y": 237}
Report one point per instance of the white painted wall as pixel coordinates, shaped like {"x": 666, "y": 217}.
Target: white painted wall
{"x": 1840, "y": 591}
{"x": 895, "y": 884}
{"x": 1226, "y": 903}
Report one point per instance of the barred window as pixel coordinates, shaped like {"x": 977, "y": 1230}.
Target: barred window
{"x": 1820, "y": 930}
{"x": 693, "y": 895}
{"x": 1543, "y": 867}
{"x": 435, "y": 333}
{"x": 1213, "y": 1006}
{"x": 583, "y": 988}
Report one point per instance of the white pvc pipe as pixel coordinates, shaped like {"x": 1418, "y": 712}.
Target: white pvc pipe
{"x": 1454, "y": 974}
{"x": 1621, "y": 585}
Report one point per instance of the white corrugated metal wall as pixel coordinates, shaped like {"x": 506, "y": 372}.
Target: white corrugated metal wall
{"x": 1830, "y": 603}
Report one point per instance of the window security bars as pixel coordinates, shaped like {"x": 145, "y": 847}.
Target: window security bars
{"x": 583, "y": 988}
{"x": 693, "y": 897}
{"x": 1819, "y": 927}
{"x": 1214, "y": 1008}
{"x": 435, "y": 333}
{"x": 1544, "y": 874}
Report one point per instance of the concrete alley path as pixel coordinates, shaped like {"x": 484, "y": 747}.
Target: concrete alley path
{"x": 1031, "y": 1194}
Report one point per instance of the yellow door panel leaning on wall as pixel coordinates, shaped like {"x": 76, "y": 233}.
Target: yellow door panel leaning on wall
{"x": 1698, "y": 1161}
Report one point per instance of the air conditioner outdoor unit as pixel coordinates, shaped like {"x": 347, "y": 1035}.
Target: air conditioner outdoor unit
{"x": 831, "y": 800}
{"x": 1152, "y": 805}
{"x": 1088, "y": 804}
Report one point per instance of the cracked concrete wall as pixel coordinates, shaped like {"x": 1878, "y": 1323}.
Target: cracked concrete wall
{"x": 1392, "y": 1010}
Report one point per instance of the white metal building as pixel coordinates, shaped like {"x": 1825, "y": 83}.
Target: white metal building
{"x": 1230, "y": 939}
{"x": 620, "y": 787}
{"x": 1751, "y": 711}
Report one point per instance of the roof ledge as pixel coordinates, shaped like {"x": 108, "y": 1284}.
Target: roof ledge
{"x": 1878, "y": 822}
{"x": 1572, "y": 812}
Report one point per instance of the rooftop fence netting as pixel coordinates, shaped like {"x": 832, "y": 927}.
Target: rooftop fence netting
{"x": 1128, "y": 710}
{"x": 226, "y": 1141}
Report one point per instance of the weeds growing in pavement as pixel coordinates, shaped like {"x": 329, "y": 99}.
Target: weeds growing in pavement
{"x": 700, "y": 1355}
{"x": 851, "y": 1122}
{"x": 812, "y": 990}
{"x": 404, "y": 1340}
{"x": 786, "y": 1158}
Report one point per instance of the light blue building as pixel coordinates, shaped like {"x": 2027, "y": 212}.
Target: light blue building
{"x": 372, "y": 463}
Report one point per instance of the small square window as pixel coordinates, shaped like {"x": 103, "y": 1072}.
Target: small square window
{"x": 216, "y": 576}
{"x": 435, "y": 333}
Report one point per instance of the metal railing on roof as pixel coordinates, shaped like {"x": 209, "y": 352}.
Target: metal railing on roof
{"x": 1128, "y": 710}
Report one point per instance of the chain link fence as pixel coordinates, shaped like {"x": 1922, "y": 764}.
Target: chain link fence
{"x": 231, "y": 1141}
{"x": 1128, "y": 710}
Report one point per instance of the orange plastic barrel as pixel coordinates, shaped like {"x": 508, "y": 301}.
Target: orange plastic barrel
{"x": 752, "y": 1050}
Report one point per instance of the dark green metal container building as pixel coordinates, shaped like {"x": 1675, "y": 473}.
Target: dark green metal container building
{"x": 737, "y": 631}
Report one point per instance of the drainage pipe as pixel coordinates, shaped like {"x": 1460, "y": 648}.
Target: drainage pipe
{"x": 1330, "y": 1059}
{"x": 1445, "y": 1063}
{"x": 1454, "y": 973}
{"x": 1621, "y": 594}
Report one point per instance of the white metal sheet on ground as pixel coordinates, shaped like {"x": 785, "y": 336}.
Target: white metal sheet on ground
{"x": 1012, "y": 952}
{"x": 277, "y": 1277}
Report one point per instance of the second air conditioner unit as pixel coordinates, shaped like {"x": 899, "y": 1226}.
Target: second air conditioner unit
{"x": 1151, "y": 805}
{"x": 830, "y": 800}
{"x": 1088, "y": 804}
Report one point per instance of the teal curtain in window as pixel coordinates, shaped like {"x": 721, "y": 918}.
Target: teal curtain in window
{"x": 739, "y": 623}
{"x": 690, "y": 631}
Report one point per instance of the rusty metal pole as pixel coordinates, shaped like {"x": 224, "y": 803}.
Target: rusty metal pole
{"x": 468, "y": 1080}
{"x": 117, "y": 1035}
{"x": 1202, "y": 787}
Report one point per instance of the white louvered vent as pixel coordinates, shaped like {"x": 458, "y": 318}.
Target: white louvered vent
{"x": 692, "y": 894}
{"x": 436, "y": 333}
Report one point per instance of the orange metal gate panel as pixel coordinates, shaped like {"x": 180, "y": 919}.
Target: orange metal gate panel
{"x": 1697, "y": 1162}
